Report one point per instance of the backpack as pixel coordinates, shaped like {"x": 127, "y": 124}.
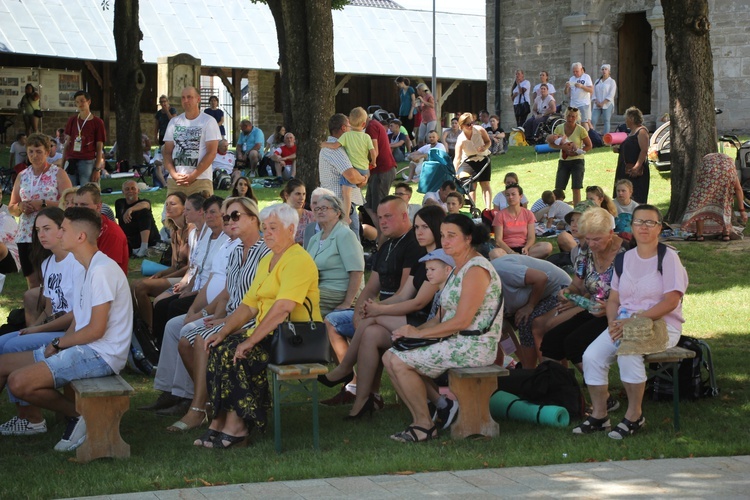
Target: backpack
{"x": 143, "y": 341}
{"x": 694, "y": 384}
{"x": 661, "y": 251}
{"x": 597, "y": 141}
{"x": 222, "y": 180}
{"x": 548, "y": 384}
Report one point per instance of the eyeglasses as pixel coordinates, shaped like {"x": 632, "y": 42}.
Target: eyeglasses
{"x": 234, "y": 216}
{"x": 401, "y": 193}
{"x": 321, "y": 209}
{"x": 645, "y": 222}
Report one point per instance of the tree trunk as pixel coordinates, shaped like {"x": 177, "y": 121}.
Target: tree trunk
{"x": 305, "y": 34}
{"x": 690, "y": 79}
{"x": 129, "y": 81}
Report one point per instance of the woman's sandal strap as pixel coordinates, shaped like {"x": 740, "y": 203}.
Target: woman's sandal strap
{"x": 410, "y": 435}
{"x": 627, "y": 427}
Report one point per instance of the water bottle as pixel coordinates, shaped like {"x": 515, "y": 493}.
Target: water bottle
{"x": 621, "y": 314}
{"x": 591, "y": 306}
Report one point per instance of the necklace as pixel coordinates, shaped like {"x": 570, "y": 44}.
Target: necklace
{"x": 391, "y": 246}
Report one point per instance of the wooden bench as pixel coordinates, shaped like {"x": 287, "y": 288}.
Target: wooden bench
{"x": 473, "y": 388}
{"x": 101, "y": 402}
{"x": 283, "y": 376}
{"x": 670, "y": 361}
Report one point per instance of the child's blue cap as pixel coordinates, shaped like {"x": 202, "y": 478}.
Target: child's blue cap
{"x": 440, "y": 255}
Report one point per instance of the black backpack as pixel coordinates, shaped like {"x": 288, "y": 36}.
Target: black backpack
{"x": 696, "y": 375}
{"x": 548, "y": 384}
{"x": 222, "y": 180}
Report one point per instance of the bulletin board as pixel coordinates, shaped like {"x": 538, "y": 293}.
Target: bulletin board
{"x": 56, "y": 87}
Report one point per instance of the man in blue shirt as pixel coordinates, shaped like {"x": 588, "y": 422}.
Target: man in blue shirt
{"x": 249, "y": 146}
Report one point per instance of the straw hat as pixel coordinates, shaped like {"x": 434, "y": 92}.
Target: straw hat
{"x": 643, "y": 336}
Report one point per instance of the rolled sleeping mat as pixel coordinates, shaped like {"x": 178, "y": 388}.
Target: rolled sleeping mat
{"x": 544, "y": 148}
{"x": 149, "y": 267}
{"x": 506, "y": 406}
{"x": 614, "y": 138}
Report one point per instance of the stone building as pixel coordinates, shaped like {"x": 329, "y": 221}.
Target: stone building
{"x": 628, "y": 35}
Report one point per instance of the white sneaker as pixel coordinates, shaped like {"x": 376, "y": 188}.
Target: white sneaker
{"x": 252, "y": 174}
{"x": 22, "y": 427}
{"x": 74, "y": 436}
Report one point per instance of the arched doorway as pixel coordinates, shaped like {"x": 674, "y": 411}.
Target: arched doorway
{"x": 634, "y": 65}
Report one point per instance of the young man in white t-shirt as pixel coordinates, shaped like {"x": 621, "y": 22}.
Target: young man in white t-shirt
{"x": 95, "y": 345}
{"x": 417, "y": 157}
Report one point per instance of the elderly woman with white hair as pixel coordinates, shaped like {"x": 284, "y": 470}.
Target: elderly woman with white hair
{"x": 337, "y": 255}
{"x": 237, "y": 381}
{"x": 311, "y": 229}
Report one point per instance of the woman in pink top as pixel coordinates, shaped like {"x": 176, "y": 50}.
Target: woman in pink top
{"x": 649, "y": 286}
{"x": 426, "y": 104}
{"x": 514, "y": 227}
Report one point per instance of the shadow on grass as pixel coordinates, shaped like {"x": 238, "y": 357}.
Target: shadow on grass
{"x": 162, "y": 460}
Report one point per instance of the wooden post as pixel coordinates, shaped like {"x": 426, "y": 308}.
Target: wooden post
{"x": 106, "y": 98}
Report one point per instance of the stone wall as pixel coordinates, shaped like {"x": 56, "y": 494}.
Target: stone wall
{"x": 263, "y": 101}
{"x": 586, "y": 31}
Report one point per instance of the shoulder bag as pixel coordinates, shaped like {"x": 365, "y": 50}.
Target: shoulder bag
{"x": 300, "y": 341}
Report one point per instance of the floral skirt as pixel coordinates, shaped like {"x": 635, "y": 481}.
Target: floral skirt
{"x": 457, "y": 352}
{"x": 241, "y": 387}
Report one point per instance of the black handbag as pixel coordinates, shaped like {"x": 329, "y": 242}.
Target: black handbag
{"x": 409, "y": 343}
{"x": 300, "y": 341}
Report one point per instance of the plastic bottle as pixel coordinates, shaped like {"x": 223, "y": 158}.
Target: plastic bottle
{"x": 621, "y": 314}
{"x": 591, "y": 306}
{"x": 140, "y": 360}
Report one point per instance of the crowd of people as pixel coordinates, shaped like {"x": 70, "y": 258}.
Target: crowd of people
{"x": 236, "y": 272}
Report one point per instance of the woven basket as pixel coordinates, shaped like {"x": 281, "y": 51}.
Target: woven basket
{"x": 643, "y": 336}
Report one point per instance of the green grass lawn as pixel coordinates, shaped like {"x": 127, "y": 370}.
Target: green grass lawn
{"x": 716, "y": 307}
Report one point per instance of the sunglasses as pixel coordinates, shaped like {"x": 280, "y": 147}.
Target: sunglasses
{"x": 234, "y": 216}
{"x": 571, "y": 108}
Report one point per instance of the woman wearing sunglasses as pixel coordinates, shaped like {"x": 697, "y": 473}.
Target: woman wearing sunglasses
{"x": 651, "y": 287}
{"x": 573, "y": 141}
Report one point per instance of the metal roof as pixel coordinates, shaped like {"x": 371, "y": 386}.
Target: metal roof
{"x": 242, "y": 34}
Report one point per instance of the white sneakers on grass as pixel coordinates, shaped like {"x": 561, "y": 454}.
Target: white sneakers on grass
{"x": 74, "y": 436}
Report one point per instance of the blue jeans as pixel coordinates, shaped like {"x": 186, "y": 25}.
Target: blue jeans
{"x": 342, "y": 321}
{"x": 15, "y": 342}
{"x": 80, "y": 171}
{"x": 74, "y": 363}
{"x": 605, "y": 114}
{"x": 354, "y": 217}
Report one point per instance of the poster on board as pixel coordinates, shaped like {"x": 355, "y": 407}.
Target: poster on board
{"x": 56, "y": 87}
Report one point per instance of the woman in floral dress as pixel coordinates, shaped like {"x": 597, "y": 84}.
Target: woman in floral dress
{"x": 709, "y": 209}
{"x": 469, "y": 303}
{"x": 39, "y": 186}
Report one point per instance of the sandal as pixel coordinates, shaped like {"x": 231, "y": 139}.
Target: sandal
{"x": 206, "y": 437}
{"x": 695, "y": 237}
{"x": 627, "y": 428}
{"x": 591, "y": 425}
{"x": 410, "y": 436}
{"x": 181, "y": 426}
{"x": 725, "y": 237}
{"x": 232, "y": 441}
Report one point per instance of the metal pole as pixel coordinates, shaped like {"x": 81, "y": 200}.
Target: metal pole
{"x": 434, "y": 59}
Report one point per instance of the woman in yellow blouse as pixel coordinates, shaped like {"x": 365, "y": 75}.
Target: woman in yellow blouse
{"x": 237, "y": 380}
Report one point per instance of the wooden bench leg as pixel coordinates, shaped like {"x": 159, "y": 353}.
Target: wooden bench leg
{"x": 474, "y": 409}
{"x": 676, "y": 395}
{"x": 276, "y": 412}
{"x": 102, "y": 416}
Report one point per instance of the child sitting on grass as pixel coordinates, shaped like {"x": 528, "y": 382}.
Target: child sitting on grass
{"x": 360, "y": 149}
{"x": 623, "y": 201}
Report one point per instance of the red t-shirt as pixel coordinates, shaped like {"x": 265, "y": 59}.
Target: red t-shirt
{"x": 284, "y": 151}
{"x": 113, "y": 243}
{"x": 515, "y": 230}
{"x": 91, "y": 133}
{"x": 385, "y": 161}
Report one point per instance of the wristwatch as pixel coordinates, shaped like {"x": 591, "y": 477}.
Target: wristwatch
{"x": 56, "y": 344}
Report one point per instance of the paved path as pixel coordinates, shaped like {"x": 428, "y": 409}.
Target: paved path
{"x": 717, "y": 477}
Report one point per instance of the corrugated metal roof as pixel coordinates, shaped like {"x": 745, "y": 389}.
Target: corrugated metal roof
{"x": 367, "y": 40}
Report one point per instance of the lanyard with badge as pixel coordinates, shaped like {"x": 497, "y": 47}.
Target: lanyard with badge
{"x": 78, "y": 142}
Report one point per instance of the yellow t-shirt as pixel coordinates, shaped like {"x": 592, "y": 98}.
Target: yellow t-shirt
{"x": 576, "y": 138}
{"x": 294, "y": 277}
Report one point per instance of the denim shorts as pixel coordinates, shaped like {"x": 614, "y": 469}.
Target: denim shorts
{"x": 74, "y": 363}
{"x": 342, "y": 321}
